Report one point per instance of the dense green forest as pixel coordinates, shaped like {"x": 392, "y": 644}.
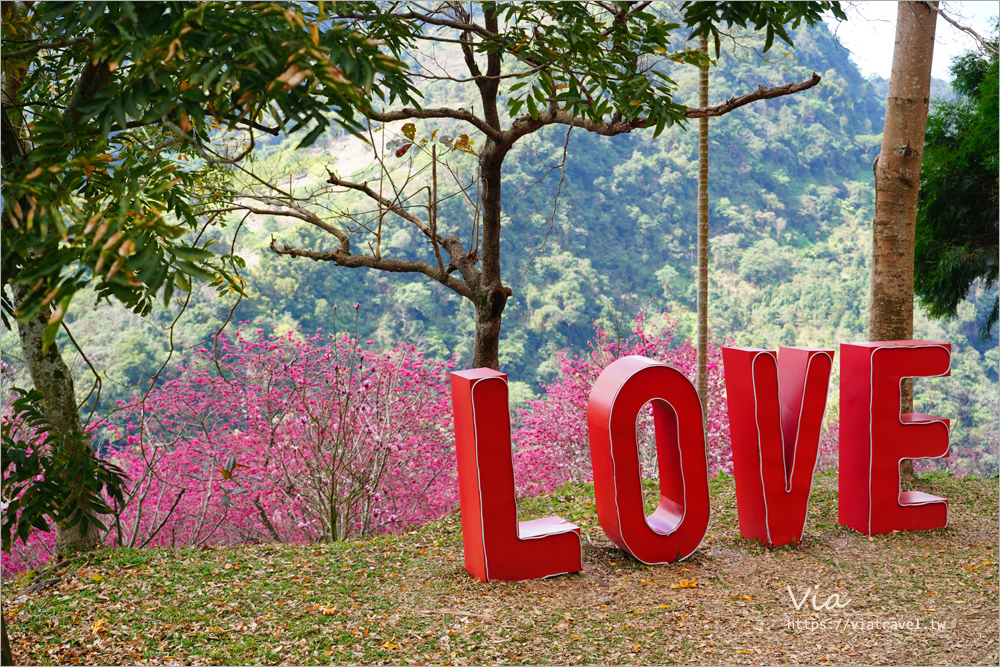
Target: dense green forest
{"x": 611, "y": 228}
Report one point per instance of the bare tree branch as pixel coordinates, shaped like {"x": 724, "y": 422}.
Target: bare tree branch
{"x": 383, "y": 264}
{"x": 432, "y": 209}
{"x": 290, "y": 210}
{"x": 457, "y": 256}
{"x": 762, "y": 93}
{"x": 384, "y": 202}
{"x": 964, "y": 28}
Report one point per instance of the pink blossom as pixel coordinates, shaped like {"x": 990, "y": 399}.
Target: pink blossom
{"x": 552, "y": 439}
{"x": 302, "y": 439}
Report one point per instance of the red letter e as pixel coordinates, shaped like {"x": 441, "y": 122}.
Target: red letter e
{"x": 875, "y": 437}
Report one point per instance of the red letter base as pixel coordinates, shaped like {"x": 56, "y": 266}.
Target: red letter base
{"x": 875, "y": 437}
{"x": 496, "y": 545}
{"x": 676, "y": 528}
{"x": 775, "y": 413}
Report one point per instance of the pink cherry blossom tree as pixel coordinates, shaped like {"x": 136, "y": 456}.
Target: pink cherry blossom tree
{"x": 312, "y": 438}
{"x": 552, "y": 435}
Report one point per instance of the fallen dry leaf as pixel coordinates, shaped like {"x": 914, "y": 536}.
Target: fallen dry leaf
{"x": 98, "y": 626}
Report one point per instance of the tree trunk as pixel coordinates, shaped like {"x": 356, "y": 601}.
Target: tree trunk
{"x": 49, "y": 372}
{"x": 6, "y": 657}
{"x": 490, "y": 293}
{"x": 702, "y": 307}
{"x": 51, "y": 376}
{"x": 486, "y": 347}
{"x": 897, "y": 181}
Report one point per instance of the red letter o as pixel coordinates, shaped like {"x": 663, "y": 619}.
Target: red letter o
{"x": 678, "y": 525}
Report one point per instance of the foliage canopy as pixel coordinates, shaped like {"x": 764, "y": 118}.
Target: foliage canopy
{"x": 957, "y": 231}
{"x": 112, "y": 119}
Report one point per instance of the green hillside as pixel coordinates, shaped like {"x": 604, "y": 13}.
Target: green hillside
{"x": 785, "y": 174}
{"x": 791, "y": 196}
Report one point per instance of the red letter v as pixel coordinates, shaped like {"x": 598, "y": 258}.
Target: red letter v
{"x": 775, "y": 413}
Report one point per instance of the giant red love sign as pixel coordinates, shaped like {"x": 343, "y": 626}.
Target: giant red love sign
{"x": 776, "y": 404}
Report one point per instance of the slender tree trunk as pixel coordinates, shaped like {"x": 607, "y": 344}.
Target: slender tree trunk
{"x": 51, "y": 376}
{"x": 897, "y": 181}
{"x": 49, "y": 372}
{"x": 489, "y": 294}
{"x": 702, "y": 344}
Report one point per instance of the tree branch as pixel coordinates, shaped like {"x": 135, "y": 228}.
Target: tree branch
{"x": 482, "y": 77}
{"x": 470, "y": 57}
{"x": 425, "y": 18}
{"x": 267, "y": 521}
{"x": 525, "y": 124}
{"x": 457, "y": 114}
{"x": 385, "y": 203}
{"x": 293, "y": 211}
{"x": 273, "y": 131}
{"x": 979, "y": 38}
{"x": 133, "y": 124}
{"x": 130, "y": 125}
{"x": 383, "y": 264}
{"x": 762, "y": 93}
{"x": 494, "y": 63}
{"x": 31, "y": 50}
{"x": 457, "y": 256}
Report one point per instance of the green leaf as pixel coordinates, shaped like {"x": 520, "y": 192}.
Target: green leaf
{"x": 193, "y": 254}
{"x": 194, "y": 271}
{"x": 182, "y": 282}
{"x": 313, "y": 135}
{"x": 168, "y": 291}
{"x": 49, "y": 333}
{"x": 660, "y": 124}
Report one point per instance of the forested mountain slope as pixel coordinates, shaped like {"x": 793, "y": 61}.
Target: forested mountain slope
{"x": 791, "y": 199}
{"x": 785, "y": 174}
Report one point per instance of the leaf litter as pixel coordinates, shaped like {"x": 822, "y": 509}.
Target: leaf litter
{"x": 407, "y": 599}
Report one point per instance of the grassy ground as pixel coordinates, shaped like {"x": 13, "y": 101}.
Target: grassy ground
{"x": 408, "y": 600}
